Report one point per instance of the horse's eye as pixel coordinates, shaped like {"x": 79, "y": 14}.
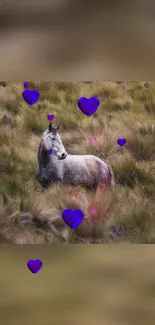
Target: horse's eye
{"x": 53, "y": 139}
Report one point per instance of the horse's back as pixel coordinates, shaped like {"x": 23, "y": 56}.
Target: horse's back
{"x": 88, "y": 168}
{"x": 81, "y": 159}
{"x": 96, "y": 168}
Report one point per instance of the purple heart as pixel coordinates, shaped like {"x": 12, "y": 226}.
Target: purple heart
{"x": 50, "y": 117}
{"x": 72, "y": 218}
{"x": 121, "y": 142}
{"x": 34, "y": 266}
{"x": 31, "y": 96}
{"x": 88, "y": 105}
{"x": 26, "y": 84}
{"x": 49, "y": 152}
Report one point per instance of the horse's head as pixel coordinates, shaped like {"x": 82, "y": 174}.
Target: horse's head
{"x": 52, "y": 141}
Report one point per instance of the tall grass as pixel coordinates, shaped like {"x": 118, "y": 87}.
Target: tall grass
{"x": 32, "y": 215}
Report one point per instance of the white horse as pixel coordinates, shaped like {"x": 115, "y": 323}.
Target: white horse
{"x": 60, "y": 167}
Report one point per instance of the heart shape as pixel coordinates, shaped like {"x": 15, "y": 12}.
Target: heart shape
{"x": 50, "y": 117}
{"x": 34, "y": 265}
{"x": 31, "y": 96}
{"x": 121, "y": 142}
{"x": 72, "y": 218}
{"x": 49, "y": 152}
{"x": 26, "y": 84}
{"x": 88, "y": 106}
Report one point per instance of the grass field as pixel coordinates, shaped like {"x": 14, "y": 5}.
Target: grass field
{"x": 127, "y": 214}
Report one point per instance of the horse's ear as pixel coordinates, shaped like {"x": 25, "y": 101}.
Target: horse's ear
{"x": 50, "y": 127}
{"x": 58, "y": 127}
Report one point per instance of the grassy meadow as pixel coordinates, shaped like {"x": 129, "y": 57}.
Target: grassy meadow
{"x": 31, "y": 215}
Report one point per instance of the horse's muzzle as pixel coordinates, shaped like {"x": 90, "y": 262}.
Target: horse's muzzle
{"x": 63, "y": 156}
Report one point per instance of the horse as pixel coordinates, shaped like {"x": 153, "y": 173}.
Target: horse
{"x": 55, "y": 165}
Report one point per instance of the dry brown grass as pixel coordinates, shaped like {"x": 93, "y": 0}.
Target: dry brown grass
{"x": 30, "y": 215}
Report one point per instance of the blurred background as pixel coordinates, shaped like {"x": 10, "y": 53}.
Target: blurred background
{"x": 77, "y": 40}
{"x": 78, "y": 285}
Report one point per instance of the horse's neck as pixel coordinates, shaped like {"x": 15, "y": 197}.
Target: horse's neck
{"x": 43, "y": 157}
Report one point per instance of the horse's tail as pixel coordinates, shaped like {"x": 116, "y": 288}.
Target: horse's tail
{"x": 111, "y": 173}
{"x": 112, "y": 177}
